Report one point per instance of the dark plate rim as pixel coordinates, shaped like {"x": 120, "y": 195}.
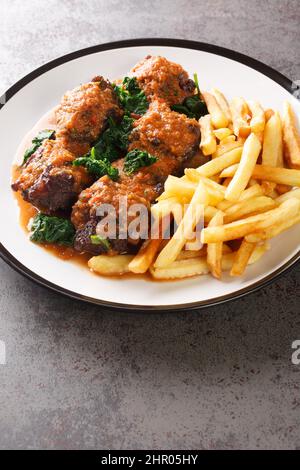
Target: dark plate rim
{"x": 181, "y": 43}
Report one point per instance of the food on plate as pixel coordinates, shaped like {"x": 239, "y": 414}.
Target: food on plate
{"x": 150, "y": 174}
{"x": 291, "y": 137}
{"x": 167, "y": 153}
{"x": 161, "y": 78}
{"x": 48, "y": 179}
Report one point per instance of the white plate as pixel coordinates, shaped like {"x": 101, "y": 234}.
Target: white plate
{"x": 38, "y": 92}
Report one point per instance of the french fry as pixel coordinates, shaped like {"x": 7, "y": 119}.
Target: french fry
{"x": 143, "y": 260}
{"x": 255, "y": 190}
{"x": 218, "y": 118}
{"x": 185, "y": 228}
{"x": 257, "y": 122}
{"x": 166, "y": 207}
{"x": 273, "y": 231}
{"x": 223, "y": 133}
{"x": 110, "y": 265}
{"x": 223, "y": 103}
{"x": 259, "y": 251}
{"x": 209, "y": 213}
{"x": 268, "y": 187}
{"x": 226, "y": 146}
{"x": 291, "y": 137}
{"x": 272, "y": 153}
{"x": 240, "y": 115}
{"x": 189, "y": 254}
{"x": 175, "y": 186}
{"x": 253, "y": 224}
{"x": 227, "y": 140}
{"x": 181, "y": 269}
{"x": 244, "y": 208}
{"x": 283, "y": 188}
{"x": 284, "y": 197}
{"x": 277, "y": 175}
{"x": 243, "y": 174}
{"x": 208, "y": 143}
{"x": 213, "y": 167}
{"x": 214, "y": 250}
{"x": 241, "y": 258}
{"x": 268, "y": 114}
{"x": 226, "y": 182}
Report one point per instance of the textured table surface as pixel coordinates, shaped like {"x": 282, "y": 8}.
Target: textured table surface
{"x": 78, "y": 376}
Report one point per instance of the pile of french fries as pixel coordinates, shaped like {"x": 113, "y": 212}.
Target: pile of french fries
{"x": 249, "y": 192}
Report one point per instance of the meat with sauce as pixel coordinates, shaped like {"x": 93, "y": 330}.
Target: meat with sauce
{"x": 173, "y": 139}
{"x": 48, "y": 179}
{"x": 161, "y": 78}
{"x": 84, "y": 111}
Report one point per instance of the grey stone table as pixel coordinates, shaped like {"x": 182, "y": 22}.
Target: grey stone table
{"x": 78, "y": 376}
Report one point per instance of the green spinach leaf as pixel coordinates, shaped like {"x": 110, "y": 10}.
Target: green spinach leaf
{"x": 49, "y": 229}
{"x": 131, "y": 97}
{"x": 98, "y": 240}
{"x": 136, "y": 159}
{"x": 37, "y": 142}
{"x": 193, "y": 106}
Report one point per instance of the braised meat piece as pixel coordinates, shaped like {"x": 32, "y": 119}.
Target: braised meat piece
{"x": 49, "y": 180}
{"x": 160, "y": 78}
{"x": 83, "y": 112}
{"x": 173, "y": 139}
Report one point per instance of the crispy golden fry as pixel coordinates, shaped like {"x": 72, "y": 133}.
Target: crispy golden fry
{"x": 257, "y": 122}
{"x": 208, "y": 143}
{"x": 215, "y": 190}
{"x": 143, "y": 260}
{"x": 259, "y": 251}
{"x": 284, "y": 197}
{"x": 272, "y": 154}
{"x": 244, "y": 208}
{"x": 253, "y": 224}
{"x": 226, "y": 182}
{"x": 110, "y": 265}
{"x": 189, "y": 254}
{"x": 268, "y": 173}
{"x": 218, "y": 118}
{"x": 223, "y": 103}
{"x": 209, "y": 213}
{"x": 268, "y": 187}
{"x": 243, "y": 174}
{"x": 213, "y": 167}
{"x": 181, "y": 269}
{"x": 268, "y": 114}
{"x": 223, "y": 133}
{"x": 291, "y": 137}
{"x": 242, "y": 257}
{"x": 185, "y": 229}
{"x": 240, "y": 116}
{"x": 283, "y": 188}
{"x": 252, "y": 191}
{"x": 273, "y": 231}
{"x": 215, "y": 250}
{"x": 225, "y": 147}
{"x": 166, "y": 207}
{"x": 175, "y": 186}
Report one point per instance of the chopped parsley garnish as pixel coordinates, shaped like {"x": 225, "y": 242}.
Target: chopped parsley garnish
{"x": 37, "y": 142}
{"x": 107, "y": 149}
{"x": 131, "y": 97}
{"x": 49, "y": 229}
{"x": 98, "y": 240}
{"x": 192, "y": 106}
{"x": 136, "y": 159}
